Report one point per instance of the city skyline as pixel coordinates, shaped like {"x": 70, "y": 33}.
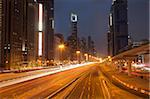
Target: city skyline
{"x": 57, "y": 49}
{"x": 93, "y": 19}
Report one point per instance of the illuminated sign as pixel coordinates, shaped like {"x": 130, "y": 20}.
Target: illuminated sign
{"x": 113, "y": 1}
{"x": 74, "y": 17}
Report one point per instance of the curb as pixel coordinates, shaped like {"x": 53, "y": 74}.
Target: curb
{"x": 142, "y": 91}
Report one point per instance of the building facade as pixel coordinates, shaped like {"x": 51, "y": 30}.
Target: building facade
{"x": 58, "y": 55}
{"x": 48, "y": 29}
{"x": 118, "y": 27}
{"x": 32, "y": 31}
{"x": 19, "y": 23}
{"x": 12, "y": 32}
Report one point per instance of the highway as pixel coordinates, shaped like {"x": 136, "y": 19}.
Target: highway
{"x": 85, "y": 82}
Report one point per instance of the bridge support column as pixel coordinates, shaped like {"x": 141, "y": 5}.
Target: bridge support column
{"x": 129, "y": 67}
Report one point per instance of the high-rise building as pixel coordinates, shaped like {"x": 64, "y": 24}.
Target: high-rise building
{"x": 12, "y": 32}
{"x": 61, "y": 37}
{"x": 18, "y": 37}
{"x": 73, "y": 40}
{"x": 83, "y": 45}
{"x": 32, "y": 30}
{"x": 118, "y": 27}
{"x": 2, "y": 29}
{"x": 91, "y": 46}
{"x": 48, "y": 29}
{"x": 59, "y": 53}
{"x": 110, "y": 44}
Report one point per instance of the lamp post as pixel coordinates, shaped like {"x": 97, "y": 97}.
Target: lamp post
{"x": 61, "y": 47}
{"x": 78, "y": 56}
{"x": 86, "y": 57}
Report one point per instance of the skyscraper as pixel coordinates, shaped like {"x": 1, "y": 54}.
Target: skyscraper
{"x": 73, "y": 38}
{"x": 118, "y": 27}
{"x": 18, "y": 32}
{"x": 12, "y": 32}
{"x": 32, "y": 30}
{"x": 48, "y": 29}
{"x": 83, "y": 45}
{"x": 59, "y": 53}
{"x": 2, "y": 29}
{"x": 91, "y": 46}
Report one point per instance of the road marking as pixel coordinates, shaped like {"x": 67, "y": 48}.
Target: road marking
{"x": 142, "y": 91}
{"x": 81, "y": 94}
{"x": 88, "y": 96}
{"x": 106, "y": 89}
{"x": 83, "y": 87}
{"x": 88, "y": 88}
{"x": 89, "y": 83}
{"x": 92, "y": 92}
{"x": 97, "y": 84}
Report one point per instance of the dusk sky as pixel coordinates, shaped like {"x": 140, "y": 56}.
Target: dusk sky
{"x": 93, "y": 19}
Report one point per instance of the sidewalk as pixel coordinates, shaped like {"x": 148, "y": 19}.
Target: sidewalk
{"x": 131, "y": 82}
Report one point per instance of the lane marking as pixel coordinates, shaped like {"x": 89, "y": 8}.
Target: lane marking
{"x": 88, "y": 88}
{"x": 81, "y": 94}
{"x": 104, "y": 84}
{"x": 88, "y": 96}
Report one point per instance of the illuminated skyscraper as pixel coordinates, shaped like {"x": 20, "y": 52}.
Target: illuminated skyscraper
{"x": 48, "y": 29}
{"x": 32, "y": 30}
{"x": 13, "y": 32}
{"x": 118, "y": 27}
{"x": 73, "y": 41}
{"x": 18, "y": 29}
{"x": 2, "y": 6}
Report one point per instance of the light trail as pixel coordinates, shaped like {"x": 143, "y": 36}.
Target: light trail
{"x": 44, "y": 73}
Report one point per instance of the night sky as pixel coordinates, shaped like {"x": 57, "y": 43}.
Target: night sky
{"x": 93, "y": 18}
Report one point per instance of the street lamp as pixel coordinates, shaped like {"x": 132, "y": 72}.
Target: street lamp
{"x": 77, "y": 52}
{"x": 78, "y": 55}
{"x": 86, "y": 56}
{"x": 109, "y": 57}
{"x": 100, "y": 59}
{"x": 61, "y": 47}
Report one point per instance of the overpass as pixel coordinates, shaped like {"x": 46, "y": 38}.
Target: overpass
{"x": 132, "y": 54}
{"x": 144, "y": 49}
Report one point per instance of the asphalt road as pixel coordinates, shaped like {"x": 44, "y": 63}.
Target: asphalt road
{"x": 81, "y": 83}
{"x": 94, "y": 85}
